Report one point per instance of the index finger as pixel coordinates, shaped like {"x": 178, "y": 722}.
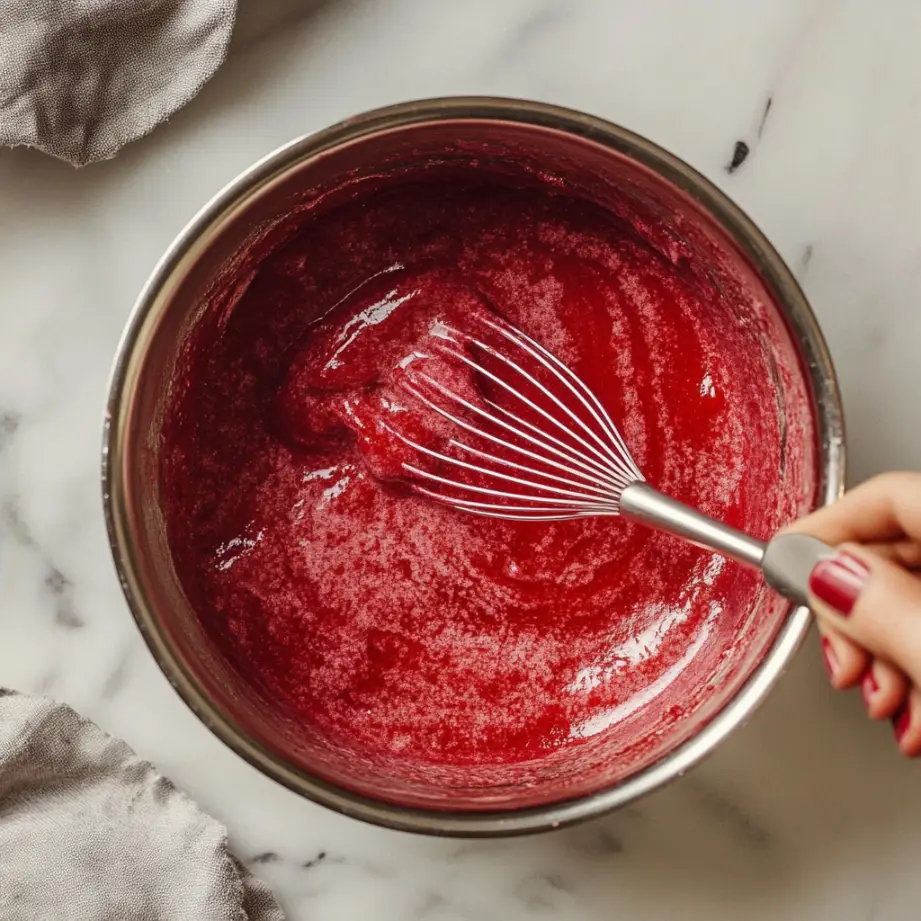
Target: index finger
{"x": 883, "y": 508}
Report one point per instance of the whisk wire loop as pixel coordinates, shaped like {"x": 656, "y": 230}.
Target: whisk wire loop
{"x": 576, "y": 467}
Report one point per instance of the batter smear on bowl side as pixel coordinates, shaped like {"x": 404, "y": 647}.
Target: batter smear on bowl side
{"x": 404, "y": 631}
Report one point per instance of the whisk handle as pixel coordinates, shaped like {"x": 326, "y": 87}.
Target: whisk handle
{"x": 786, "y": 560}
{"x": 642, "y": 502}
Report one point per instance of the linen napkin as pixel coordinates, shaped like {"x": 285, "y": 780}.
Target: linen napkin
{"x": 89, "y": 832}
{"x": 81, "y": 78}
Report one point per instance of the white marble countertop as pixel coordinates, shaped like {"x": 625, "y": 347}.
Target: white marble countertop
{"x": 808, "y": 812}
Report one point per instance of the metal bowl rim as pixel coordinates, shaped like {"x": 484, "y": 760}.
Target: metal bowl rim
{"x": 773, "y": 272}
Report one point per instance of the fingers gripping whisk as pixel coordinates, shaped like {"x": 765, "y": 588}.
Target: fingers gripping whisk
{"x": 529, "y": 441}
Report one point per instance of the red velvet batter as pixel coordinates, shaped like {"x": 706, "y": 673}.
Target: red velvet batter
{"x": 405, "y": 631}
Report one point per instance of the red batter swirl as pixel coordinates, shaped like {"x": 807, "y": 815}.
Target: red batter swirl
{"x": 406, "y": 630}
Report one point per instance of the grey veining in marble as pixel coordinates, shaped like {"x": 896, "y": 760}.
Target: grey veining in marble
{"x": 809, "y": 115}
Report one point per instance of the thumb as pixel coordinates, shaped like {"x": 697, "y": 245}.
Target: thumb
{"x": 874, "y": 601}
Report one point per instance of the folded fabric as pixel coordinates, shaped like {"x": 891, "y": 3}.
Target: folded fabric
{"x": 81, "y": 78}
{"x": 90, "y": 832}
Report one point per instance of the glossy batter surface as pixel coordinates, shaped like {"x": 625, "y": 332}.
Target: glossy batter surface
{"x": 402, "y": 629}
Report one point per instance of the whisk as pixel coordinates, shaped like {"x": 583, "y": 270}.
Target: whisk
{"x": 542, "y": 447}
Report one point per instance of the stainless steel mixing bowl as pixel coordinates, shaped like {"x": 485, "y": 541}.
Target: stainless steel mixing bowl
{"x": 173, "y": 297}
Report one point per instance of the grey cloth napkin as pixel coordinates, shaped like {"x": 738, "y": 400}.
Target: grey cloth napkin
{"x": 81, "y": 78}
{"x": 88, "y": 832}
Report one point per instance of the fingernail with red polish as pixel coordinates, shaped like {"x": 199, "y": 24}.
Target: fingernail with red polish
{"x": 868, "y": 686}
{"x": 901, "y": 721}
{"x": 829, "y": 657}
{"x": 838, "y": 581}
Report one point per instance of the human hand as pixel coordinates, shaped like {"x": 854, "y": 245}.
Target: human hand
{"x": 867, "y": 598}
